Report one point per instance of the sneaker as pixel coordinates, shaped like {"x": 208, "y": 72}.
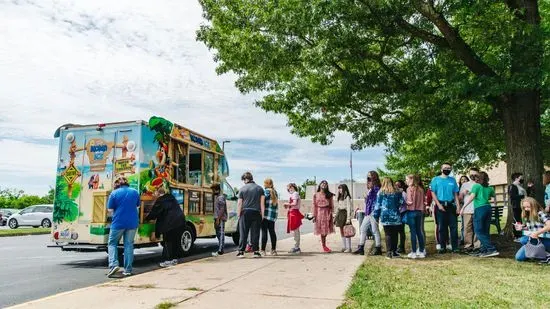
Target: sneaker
{"x": 412, "y": 255}
{"x": 217, "y": 253}
{"x": 174, "y": 262}
{"x": 240, "y": 255}
{"x": 166, "y": 264}
{"x": 248, "y": 249}
{"x": 343, "y": 250}
{"x": 449, "y": 247}
{"x": 113, "y": 271}
{"x": 127, "y": 274}
{"x": 274, "y": 252}
{"x": 438, "y": 247}
{"x": 347, "y": 250}
{"x": 327, "y": 249}
{"x": 295, "y": 251}
{"x": 489, "y": 254}
{"x": 421, "y": 255}
{"x": 396, "y": 254}
{"x": 263, "y": 253}
{"x": 389, "y": 255}
{"x": 401, "y": 250}
{"x": 257, "y": 254}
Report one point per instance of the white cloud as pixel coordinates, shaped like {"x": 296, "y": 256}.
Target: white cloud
{"x": 94, "y": 61}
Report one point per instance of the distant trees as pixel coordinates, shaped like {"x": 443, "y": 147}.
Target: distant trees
{"x": 15, "y": 198}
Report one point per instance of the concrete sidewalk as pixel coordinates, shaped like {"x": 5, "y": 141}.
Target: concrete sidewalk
{"x": 312, "y": 279}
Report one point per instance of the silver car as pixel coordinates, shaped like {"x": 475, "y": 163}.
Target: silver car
{"x": 35, "y": 216}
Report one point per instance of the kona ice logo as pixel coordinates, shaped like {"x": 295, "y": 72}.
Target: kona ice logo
{"x": 98, "y": 151}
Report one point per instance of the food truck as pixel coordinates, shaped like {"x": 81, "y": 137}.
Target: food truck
{"x": 152, "y": 154}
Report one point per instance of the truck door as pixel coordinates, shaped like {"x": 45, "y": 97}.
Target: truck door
{"x": 97, "y": 169}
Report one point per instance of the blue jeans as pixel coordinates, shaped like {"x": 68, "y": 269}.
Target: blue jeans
{"x": 447, "y": 224}
{"x": 114, "y": 239}
{"x": 414, "y": 221}
{"x": 520, "y": 255}
{"x": 482, "y": 226}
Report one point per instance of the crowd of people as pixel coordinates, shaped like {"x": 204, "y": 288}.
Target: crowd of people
{"x": 388, "y": 205}
{"x": 392, "y": 206}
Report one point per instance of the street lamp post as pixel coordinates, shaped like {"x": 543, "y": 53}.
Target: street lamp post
{"x": 223, "y": 145}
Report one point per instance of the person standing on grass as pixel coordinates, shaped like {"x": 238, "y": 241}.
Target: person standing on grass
{"x": 294, "y": 216}
{"x": 471, "y": 243}
{"x": 270, "y": 216}
{"x": 343, "y": 215}
{"x": 250, "y": 206}
{"x": 220, "y": 217}
{"x": 170, "y": 223}
{"x": 463, "y": 180}
{"x": 516, "y": 193}
{"x": 400, "y": 186}
{"x": 123, "y": 205}
{"x": 373, "y": 186}
{"x": 546, "y": 182}
{"x": 386, "y": 210}
{"x": 536, "y": 223}
{"x": 415, "y": 213}
{"x": 480, "y": 195}
{"x": 323, "y": 206}
{"x": 445, "y": 195}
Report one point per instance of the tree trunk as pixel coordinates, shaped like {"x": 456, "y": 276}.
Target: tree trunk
{"x": 521, "y": 118}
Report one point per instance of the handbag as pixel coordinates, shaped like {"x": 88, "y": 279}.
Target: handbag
{"x": 535, "y": 251}
{"x": 349, "y": 230}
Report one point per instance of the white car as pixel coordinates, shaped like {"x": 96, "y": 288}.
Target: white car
{"x": 35, "y": 216}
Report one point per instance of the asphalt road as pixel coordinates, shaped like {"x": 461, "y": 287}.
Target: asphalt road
{"x": 29, "y": 270}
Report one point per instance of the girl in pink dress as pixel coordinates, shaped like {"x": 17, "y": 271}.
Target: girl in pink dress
{"x": 323, "y": 206}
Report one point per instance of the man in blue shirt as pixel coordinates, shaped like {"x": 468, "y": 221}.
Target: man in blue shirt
{"x": 123, "y": 206}
{"x": 445, "y": 195}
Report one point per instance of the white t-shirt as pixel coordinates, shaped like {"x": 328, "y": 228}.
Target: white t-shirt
{"x": 466, "y": 190}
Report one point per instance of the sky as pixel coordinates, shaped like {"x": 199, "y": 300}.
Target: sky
{"x": 97, "y": 61}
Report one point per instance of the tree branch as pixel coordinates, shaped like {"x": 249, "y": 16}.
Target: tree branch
{"x": 422, "y": 34}
{"x": 462, "y": 50}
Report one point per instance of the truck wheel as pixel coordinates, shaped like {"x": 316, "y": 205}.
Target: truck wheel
{"x": 187, "y": 241}
{"x": 120, "y": 257}
{"x": 236, "y": 238}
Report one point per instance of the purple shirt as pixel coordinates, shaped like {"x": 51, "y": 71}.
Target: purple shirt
{"x": 370, "y": 200}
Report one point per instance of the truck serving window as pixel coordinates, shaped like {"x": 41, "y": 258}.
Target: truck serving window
{"x": 208, "y": 168}
{"x": 180, "y": 159}
{"x": 195, "y": 167}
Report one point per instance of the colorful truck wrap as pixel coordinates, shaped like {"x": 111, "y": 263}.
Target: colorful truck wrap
{"x": 150, "y": 154}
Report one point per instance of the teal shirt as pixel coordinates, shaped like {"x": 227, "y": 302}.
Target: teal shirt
{"x": 444, "y": 188}
{"x": 547, "y": 195}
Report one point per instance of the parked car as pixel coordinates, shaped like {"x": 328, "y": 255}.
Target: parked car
{"x": 5, "y": 213}
{"x": 35, "y": 216}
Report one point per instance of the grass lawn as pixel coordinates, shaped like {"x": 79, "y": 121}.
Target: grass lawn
{"x": 450, "y": 280}
{"x": 24, "y": 231}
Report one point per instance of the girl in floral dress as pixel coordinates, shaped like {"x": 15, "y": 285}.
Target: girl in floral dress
{"x": 323, "y": 206}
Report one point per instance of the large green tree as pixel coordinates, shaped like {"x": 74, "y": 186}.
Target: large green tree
{"x": 460, "y": 80}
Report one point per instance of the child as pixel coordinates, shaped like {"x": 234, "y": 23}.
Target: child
{"x": 415, "y": 212}
{"x": 480, "y": 195}
{"x": 342, "y": 217}
{"x": 220, "y": 216}
{"x": 294, "y": 216}
{"x": 323, "y": 205}
{"x": 387, "y": 210}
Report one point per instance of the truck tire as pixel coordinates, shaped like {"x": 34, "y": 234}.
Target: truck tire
{"x": 187, "y": 240}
